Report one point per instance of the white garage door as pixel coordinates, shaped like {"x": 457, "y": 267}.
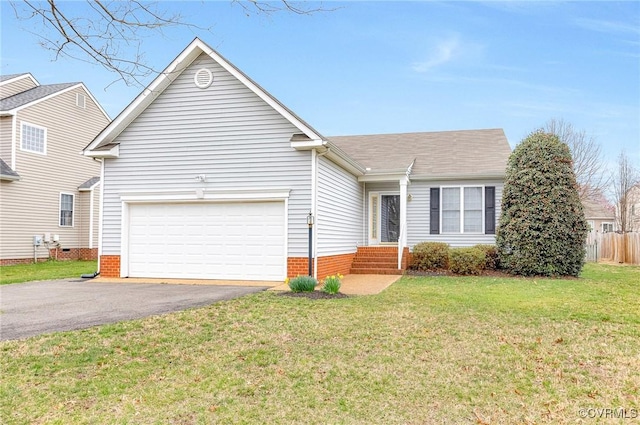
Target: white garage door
{"x": 239, "y": 241}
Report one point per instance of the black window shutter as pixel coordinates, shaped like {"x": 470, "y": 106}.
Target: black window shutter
{"x": 434, "y": 211}
{"x": 490, "y": 210}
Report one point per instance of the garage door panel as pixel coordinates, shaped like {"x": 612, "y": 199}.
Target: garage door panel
{"x": 208, "y": 241}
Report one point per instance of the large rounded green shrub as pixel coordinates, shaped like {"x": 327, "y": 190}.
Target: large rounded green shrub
{"x": 466, "y": 261}
{"x": 430, "y": 256}
{"x": 542, "y": 226}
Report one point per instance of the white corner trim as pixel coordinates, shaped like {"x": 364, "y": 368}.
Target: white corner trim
{"x": 14, "y": 140}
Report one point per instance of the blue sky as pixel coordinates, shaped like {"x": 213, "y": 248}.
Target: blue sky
{"x": 387, "y": 67}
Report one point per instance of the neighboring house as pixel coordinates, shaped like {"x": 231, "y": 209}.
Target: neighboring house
{"x": 600, "y": 216}
{"x": 634, "y": 209}
{"x": 206, "y": 175}
{"x": 47, "y": 187}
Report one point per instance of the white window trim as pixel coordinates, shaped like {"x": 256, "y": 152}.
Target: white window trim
{"x": 462, "y": 187}
{"x": 22, "y": 124}
{"x": 610, "y": 223}
{"x": 73, "y": 209}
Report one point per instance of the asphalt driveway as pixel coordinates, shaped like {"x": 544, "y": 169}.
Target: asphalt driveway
{"x": 33, "y": 308}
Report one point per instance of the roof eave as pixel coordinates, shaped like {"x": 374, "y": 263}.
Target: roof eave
{"x": 9, "y": 177}
{"x": 111, "y": 153}
{"x": 448, "y": 177}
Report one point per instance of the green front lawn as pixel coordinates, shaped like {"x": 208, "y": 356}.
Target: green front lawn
{"x": 451, "y": 350}
{"x": 45, "y": 270}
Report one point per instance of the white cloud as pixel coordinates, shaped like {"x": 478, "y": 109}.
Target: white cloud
{"x": 442, "y": 52}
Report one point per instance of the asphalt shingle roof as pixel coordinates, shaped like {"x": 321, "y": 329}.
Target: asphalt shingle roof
{"x": 32, "y": 95}
{"x": 461, "y": 153}
{"x": 89, "y": 183}
{"x": 4, "y": 78}
{"x": 6, "y": 171}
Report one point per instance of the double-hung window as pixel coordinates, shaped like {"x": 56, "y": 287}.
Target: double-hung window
{"x": 462, "y": 209}
{"x": 33, "y": 138}
{"x": 66, "y": 210}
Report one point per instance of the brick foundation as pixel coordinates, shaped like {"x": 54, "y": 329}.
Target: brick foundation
{"x": 298, "y": 266}
{"x": 75, "y": 254}
{"x": 16, "y": 261}
{"x": 110, "y": 265}
{"x": 56, "y": 254}
{"x": 334, "y": 264}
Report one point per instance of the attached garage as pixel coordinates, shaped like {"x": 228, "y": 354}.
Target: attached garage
{"x": 207, "y": 240}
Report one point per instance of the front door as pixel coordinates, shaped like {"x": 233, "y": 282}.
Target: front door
{"x": 384, "y": 218}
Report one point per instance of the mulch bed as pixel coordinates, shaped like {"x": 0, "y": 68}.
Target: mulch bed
{"x": 314, "y": 295}
{"x": 492, "y": 273}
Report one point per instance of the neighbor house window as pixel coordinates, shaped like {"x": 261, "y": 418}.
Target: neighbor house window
{"x": 33, "y": 138}
{"x": 607, "y": 227}
{"x": 66, "y": 210}
{"x": 462, "y": 209}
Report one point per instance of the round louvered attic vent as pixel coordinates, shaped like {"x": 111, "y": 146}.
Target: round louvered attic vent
{"x": 203, "y": 78}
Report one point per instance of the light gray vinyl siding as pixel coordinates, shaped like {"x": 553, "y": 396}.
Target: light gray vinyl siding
{"x": 418, "y": 214}
{"x": 15, "y": 87}
{"x": 225, "y": 132}
{"x": 30, "y": 206}
{"x": 339, "y": 210}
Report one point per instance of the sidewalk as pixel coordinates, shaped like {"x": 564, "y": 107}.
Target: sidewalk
{"x": 352, "y": 284}
{"x": 357, "y": 284}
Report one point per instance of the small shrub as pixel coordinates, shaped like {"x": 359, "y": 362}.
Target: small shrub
{"x": 467, "y": 261}
{"x": 430, "y": 256}
{"x": 492, "y": 260}
{"x": 332, "y": 284}
{"x": 303, "y": 284}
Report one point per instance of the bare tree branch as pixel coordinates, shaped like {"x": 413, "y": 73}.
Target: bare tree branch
{"x": 588, "y": 163}
{"x": 626, "y": 193}
{"x": 110, "y": 33}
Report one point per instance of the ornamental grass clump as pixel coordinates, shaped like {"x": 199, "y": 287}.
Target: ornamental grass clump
{"x": 303, "y": 284}
{"x": 332, "y": 284}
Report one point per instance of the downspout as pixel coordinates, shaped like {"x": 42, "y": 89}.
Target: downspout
{"x": 100, "y": 212}
{"x": 91, "y": 218}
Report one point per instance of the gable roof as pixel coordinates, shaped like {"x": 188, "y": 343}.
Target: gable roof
{"x": 5, "y": 78}
{"x": 32, "y": 95}
{"x": 6, "y": 173}
{"x": 166, "y": 77}
{"x": 594, "y": 210}
{"x": 437, "y": 155}
{"x": 89, "y": 184}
